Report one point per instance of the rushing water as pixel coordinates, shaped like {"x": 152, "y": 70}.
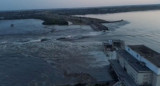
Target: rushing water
{"x": 82, "y": 53}
{"x": 63, "y": 61}
{"x": 144, "y": 27}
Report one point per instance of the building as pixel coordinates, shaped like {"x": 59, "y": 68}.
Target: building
{"x": 111, "y": 46}
{"x": 150, "y": 58}
{"x": 141, "y": 63}
{"x": 140, "y": 74}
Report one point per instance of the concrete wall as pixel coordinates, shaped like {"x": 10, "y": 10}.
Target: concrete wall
{"x": 144, "y": 78}
{"x": 121, "y": 61}
{"x": 149, "y": 64}
{"x": 155, "y": 80}
{"x": 132, "y": 73}
{"x": 156, "y": 75}
{"x": 140, "y": 78}
{"x": 112, "y": 55}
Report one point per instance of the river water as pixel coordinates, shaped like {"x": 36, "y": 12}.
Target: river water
{"x": 26, "y": 60}
{"x": 78, "y": 59}
{"x": 22, "y": 26}
{"x": 143, "y": 27}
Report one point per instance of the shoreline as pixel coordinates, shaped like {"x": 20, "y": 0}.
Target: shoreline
{"x": 55, "y": 19}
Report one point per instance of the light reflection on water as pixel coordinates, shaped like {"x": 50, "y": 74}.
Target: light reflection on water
{"x": 144, "y": 27}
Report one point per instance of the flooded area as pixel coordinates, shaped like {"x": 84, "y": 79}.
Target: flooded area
{"x": 68, "y": 54}
{"x": 27, "y": 26}
{"x": 77, "y": 60}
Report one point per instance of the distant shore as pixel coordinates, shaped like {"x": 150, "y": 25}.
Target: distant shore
{"x": 63, "y": 16}
{"x": 93, "y": 10}
{"x": 50, "y": 18}
{"x": 107, "y": 9}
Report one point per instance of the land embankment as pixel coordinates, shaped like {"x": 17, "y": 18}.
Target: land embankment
{"x": 63, "y": 16}
{"x": 50, "y": 18}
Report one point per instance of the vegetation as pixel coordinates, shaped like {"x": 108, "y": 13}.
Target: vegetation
{"x": 54, "y": 22}
{"x": 104, "y": 10}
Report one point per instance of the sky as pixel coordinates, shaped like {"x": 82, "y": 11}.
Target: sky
{"x": 44, "y": 4}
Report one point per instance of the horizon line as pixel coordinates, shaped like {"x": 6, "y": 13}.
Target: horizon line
{"x": 91, "y": 7}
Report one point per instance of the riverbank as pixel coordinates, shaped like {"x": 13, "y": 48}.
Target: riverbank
{"x": 51, "y": 18}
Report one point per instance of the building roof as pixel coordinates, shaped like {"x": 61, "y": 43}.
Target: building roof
{"x": 149, "y": 54}
{"x": 138, "y": 66}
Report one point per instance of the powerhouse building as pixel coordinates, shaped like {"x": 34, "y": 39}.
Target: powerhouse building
{"x": 141, "y": 63}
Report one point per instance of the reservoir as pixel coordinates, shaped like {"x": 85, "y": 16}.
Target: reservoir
{"x": 143, "y": 27}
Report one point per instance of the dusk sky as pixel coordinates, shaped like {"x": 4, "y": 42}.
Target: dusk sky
{"x": 42, "y": 4}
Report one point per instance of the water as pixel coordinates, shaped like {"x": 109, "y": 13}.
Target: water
{"x": 143, "y": 27}
{"x": 82, "y": 54}
{"x": 25, "y": 26}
